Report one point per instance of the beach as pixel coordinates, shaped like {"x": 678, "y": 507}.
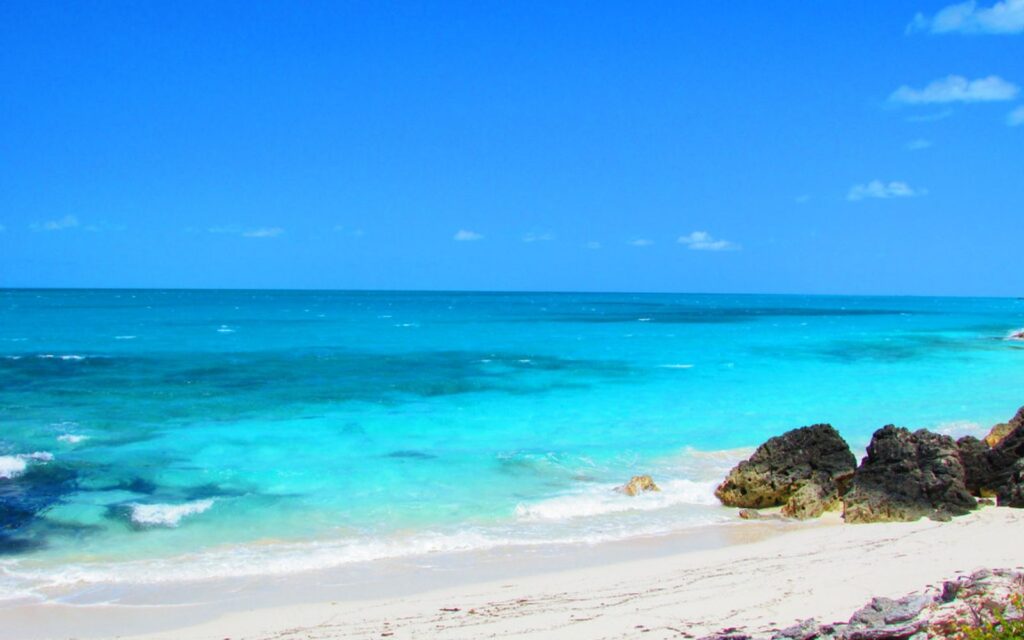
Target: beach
{"x": 824, "y": 569}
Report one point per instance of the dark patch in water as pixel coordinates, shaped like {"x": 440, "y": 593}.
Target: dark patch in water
{"x": 137, "y": 485}
{"x": 671, "y": 314}
{"x": 211, "y": 490}
{"x": 24, "y": 498}
{"x": 414, "y": 455}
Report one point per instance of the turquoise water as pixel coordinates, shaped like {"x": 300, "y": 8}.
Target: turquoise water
{"x": 170, "y": 435}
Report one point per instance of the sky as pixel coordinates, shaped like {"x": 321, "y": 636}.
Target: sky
{"x": 833, "y": 147}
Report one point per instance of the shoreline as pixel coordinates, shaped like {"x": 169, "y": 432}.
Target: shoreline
{"x": 754, "y": 575}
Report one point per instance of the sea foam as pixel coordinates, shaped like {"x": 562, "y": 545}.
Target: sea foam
{"x": 14, "y": 466}
{"x": 604, "y": 499}
{"x": 166, "y": 515}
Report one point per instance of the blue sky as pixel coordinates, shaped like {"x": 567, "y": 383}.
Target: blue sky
{"x": 665, "y": 146}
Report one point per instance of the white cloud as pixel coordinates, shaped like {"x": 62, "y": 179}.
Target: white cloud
{"x": 641, "y": 242}
{"x": 463, "y": 235}
{"x": 593, "y": 245}
{"x": 263, "y": 232}
{"x": 1016, "y": 117}
{"x": 67, "y": 222}
{"x": 704, "y": 241}
{"x": 930, "y": 117}
{"x": 355, "y": 233}
{"x": 547, "y": 236}
{"x": 256, "y": 232}
{"x": 919, "y": 144}
{"x": 958, "y": 89}
{"x": 1002, "y": 17}
{"x": 879, "y": 189}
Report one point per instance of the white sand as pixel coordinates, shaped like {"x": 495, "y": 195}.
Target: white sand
{"x": 825, "y": 571}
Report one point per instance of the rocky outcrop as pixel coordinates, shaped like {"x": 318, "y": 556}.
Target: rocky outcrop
{"x": 940, "y": 612}
{"x": 978, "y": 473}
{"x": 803, "y": 471}
{"x": 998, "y": 432}
{"x": 997, "y": 470}
{"x": 906, "y": 476}
{"x": 638, "y": 485}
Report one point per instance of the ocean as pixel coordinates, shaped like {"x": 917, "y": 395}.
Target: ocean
{"x": 151, "y": 436}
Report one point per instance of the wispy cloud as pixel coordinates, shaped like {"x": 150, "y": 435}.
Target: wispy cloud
{"x": 263, "y": 232}
{"x": 464, "y": 235}
{"x": 60, "y": 224}
{"x": 957, "y": 89}
{"x": 355, "y": 233}
{"x": 883, "y": 190}
{"x": 919, "y": 144}
{"x": 547, "y": 236}
{"x": 704, "y": 241}
{"x": 1016, "y": 117}
{"x": 248, "y": 232}
{"x": 1005, "y": 17}
{"x": 593, "y": 245}
{"x": 930, "y": 117}
{"x": 641, "y": 242}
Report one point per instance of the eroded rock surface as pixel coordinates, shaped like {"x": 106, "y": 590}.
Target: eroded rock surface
{"x": 803, "y": 471}
{"x": 907, "y": 475}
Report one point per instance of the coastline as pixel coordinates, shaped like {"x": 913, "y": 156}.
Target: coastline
{"x": 756, "y": 576}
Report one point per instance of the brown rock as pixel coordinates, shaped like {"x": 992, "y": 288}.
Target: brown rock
{"x": 639, "y": 484}
{"x": 802, "y": 470}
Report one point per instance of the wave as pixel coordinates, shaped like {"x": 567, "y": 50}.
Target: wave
{"x": 125, "y": 337}
{"x": 604, "y": 499}
{"x": 50, "y": 356}
{"x": 676, "y": 366}
{"x": 225, "y": 329}
{"x": 166, "y": 515}
{"x": 72, "y": 438}
{"x": 1016, "y": 334}
{"x": 13, "y": 466}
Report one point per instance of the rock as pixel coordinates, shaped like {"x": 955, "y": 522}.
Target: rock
{"x": 998, "y": 432}
{"x": 978, "y": 473}
{"x": 754, "y": 514}
{"x": 1006, "y": 462}
{"x": 639, "y": 484}
{"x": 804, "y": 630}
{"x": 906, "y": 476}
{"x": 885, "y": 618}
{"x": 778, "y": 472}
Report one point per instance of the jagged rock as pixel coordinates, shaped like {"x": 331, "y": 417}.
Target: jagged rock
{"x": 887, "y": 619}
{"x": 804, "y": 630}
{"x": 639, "y": 484}
{"x": 998, "y": 432}
{"x": 906, "y": 476}
{"x": 783, "y": 466}
{"x": 1006, "y": 461}
{"x": 979, "y": 477}
{"x": 754, "y": 514}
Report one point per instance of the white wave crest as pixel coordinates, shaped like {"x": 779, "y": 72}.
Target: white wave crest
{"x": 14, "y": 466}
{"x": 124, "y": 337}
{"x": 1016, "y": 334}
{"x": 167, "y": 515}
{"x": 676, "y": 366}
{"x": 604, "y": 499}
{"x": 50, "y": 356}
{"x": 72, "y": 438}
{"x": 225, "y": 329}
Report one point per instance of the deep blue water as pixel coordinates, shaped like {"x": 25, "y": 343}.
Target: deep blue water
{"x": 149, "y": 435}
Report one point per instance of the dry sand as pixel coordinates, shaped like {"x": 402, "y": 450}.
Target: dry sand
{"x": 825, "y": 571}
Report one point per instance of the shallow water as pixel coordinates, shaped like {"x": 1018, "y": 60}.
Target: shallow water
{"x": 166, "y": 435}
